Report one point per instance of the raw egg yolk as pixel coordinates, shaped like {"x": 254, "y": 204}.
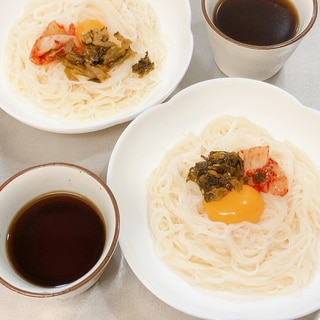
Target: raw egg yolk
{"x": 86, "y": 26}
{"x": 237, "y": 206}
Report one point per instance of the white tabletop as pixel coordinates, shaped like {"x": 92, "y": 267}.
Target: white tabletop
{"x": 119, "y": 294}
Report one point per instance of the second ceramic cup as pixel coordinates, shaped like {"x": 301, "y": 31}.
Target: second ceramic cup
{"x": 260, "y": 62}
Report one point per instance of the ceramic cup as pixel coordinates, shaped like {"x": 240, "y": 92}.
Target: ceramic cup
{"x": 236, "y": 59}
{"x": 36, "y": 181}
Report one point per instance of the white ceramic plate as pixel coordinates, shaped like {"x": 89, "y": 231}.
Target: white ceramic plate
{"x": 141, "y": 147}
{"x": 175, "y": 18}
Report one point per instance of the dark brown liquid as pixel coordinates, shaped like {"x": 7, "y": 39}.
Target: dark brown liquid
{"x": 55, "y": 239}
{"x": 257, "y": 22}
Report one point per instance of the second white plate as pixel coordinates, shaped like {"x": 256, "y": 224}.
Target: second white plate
{"x": 142, "y": 146}
{"x": 174, "y": 18}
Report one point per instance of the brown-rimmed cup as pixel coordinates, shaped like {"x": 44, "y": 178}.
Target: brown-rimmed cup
{"x": 39, "y": 180}
{"x": 237, "y": 59}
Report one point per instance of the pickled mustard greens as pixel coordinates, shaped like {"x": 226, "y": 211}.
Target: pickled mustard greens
{"x": 219, "y": 173}
{"x": 143, "y": 66}
{"x": 100, "y": 54}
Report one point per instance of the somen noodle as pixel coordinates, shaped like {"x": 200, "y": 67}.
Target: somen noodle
{"x": 48, "y": 88}
{"x": 279, "y": 254}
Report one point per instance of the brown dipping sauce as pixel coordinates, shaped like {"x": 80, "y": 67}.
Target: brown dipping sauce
{"x": 257, "y": 22}
{"x": 55, "y": 239}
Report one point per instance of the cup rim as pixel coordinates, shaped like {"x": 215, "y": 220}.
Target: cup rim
{"x": 296, "y": 38}
{"x": 109, "y": 253}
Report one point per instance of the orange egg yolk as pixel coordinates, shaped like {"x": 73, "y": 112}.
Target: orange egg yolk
{"x": 87, "y": 25}
{"x": 237, "y": 206}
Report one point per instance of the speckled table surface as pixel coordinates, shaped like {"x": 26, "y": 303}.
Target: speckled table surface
{"x": 119, "y": 294}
